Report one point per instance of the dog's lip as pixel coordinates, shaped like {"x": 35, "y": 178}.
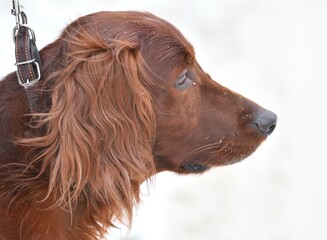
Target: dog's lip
{"x": 194, "y": 168}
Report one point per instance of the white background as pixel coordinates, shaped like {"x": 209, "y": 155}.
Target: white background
{"x": 274, "y": 52}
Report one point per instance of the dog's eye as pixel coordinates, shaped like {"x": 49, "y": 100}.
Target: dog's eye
{"x": 183, "y": 81}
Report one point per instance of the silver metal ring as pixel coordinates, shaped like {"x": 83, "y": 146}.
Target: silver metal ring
{"x": 16, "y": 29}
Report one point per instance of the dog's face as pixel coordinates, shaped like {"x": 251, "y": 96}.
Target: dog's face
{"x": 200, "y": 124}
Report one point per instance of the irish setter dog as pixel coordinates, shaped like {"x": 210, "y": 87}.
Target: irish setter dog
{"x": 121, "y": 98}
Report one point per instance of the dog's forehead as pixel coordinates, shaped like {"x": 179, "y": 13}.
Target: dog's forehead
{"x": 148, "y": 29}
{"x": 163, "y": 39}
{"x": 170, "y": 36}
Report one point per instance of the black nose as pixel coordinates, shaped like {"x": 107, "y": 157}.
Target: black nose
{"x": 266, "y": 122}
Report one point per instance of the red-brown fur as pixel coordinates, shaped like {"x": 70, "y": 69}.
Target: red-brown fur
{"x": 110, "y": 116}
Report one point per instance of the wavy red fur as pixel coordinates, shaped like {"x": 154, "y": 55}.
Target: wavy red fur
{"x": 114, "y": 108}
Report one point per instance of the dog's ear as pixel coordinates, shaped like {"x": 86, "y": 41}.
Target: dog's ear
{"x": 100, "y": 127}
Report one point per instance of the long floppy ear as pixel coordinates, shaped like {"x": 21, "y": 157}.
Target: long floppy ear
{"x": 100, "y": 128}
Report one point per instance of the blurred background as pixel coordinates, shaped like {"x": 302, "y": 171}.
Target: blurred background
{"x": 274, "y": 52}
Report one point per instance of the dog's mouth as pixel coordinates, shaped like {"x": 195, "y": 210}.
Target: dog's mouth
{"x": 197, "y": 166}
{"x": 204, "y": 161}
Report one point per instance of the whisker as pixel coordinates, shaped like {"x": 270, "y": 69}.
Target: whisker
{"x": 208, "y": 147}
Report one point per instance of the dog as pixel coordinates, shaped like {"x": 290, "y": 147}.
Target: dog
{"x": 121, "y": 98}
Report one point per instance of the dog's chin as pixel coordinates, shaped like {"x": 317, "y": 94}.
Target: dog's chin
{"x": 203, "y": 166}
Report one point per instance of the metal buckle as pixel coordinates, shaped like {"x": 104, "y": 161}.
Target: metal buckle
{"x": 28, "y": 82}
{"x": 30, "y": 31}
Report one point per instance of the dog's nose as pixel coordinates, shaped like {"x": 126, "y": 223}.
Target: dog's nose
{"x": 266, "y": 122}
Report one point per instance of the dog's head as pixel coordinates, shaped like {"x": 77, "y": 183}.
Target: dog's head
{"x": 199, "y": 124}
{"x": 125, "y": 98}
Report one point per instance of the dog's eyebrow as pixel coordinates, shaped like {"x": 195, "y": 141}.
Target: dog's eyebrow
{"x": 190, "y": 58}
{"x": 189, "y": 52}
